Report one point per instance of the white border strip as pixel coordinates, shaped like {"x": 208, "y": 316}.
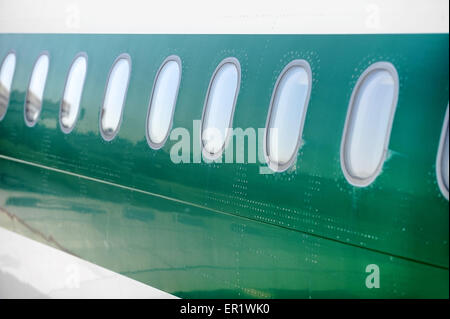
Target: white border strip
{"x": 236, "y": 17}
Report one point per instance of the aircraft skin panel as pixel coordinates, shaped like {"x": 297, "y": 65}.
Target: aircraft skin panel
{"x": 221, "y": 229}
{"x": 191, "y": 252}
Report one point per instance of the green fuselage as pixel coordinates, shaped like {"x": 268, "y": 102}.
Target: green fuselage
{"x": 221, "y": 229}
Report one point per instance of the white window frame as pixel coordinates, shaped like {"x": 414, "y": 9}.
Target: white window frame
{"x": 152, "y": 144}
{"x": 12, "y": 80}
{"x": 444, "y": 132}
{"x": 206, "y": 154}
{"x": 28, "y": 123}
{"x": 385, "y": 66}
{"x": 276, "y": 167}
{"x": 64, "y": 129}
{"x": 106, "y": 137}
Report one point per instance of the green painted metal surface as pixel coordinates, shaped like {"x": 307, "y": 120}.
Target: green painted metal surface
{"x": 225, "y": 230}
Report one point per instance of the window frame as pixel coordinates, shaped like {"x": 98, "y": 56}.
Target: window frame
{"x": 28, "y": 123}
{"x": 11, "y": 51}
{"x": 304, "y": 64}
{"x": 64, "y": 129}
{"x": 105, "y": 137}
{"x": 168, "y": 59}
{"x": 444, "y": 132}
{"x": 237, "y": 64}
{"x": 384, "y": 66}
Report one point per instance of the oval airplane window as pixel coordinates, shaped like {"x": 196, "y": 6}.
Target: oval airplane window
{"x": 286, "y": 115}
{"x": 219, "y": 107}
{"x": 72, "y": 93}
{"x": 368, "y": 125}
{"x": 33, "y": 102}
{"x": 116, "y": 90}
{"x": 6, "y": 77}
{"x": 163, "y": 101}
{"x": 442, "y": 159}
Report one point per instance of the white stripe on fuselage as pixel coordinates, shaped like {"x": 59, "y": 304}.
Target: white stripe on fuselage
{"x": 29, "y": 269}
{"x": 219, "y": 17}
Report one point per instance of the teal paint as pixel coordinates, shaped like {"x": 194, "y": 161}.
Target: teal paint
{"x": 399, "y": 222}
